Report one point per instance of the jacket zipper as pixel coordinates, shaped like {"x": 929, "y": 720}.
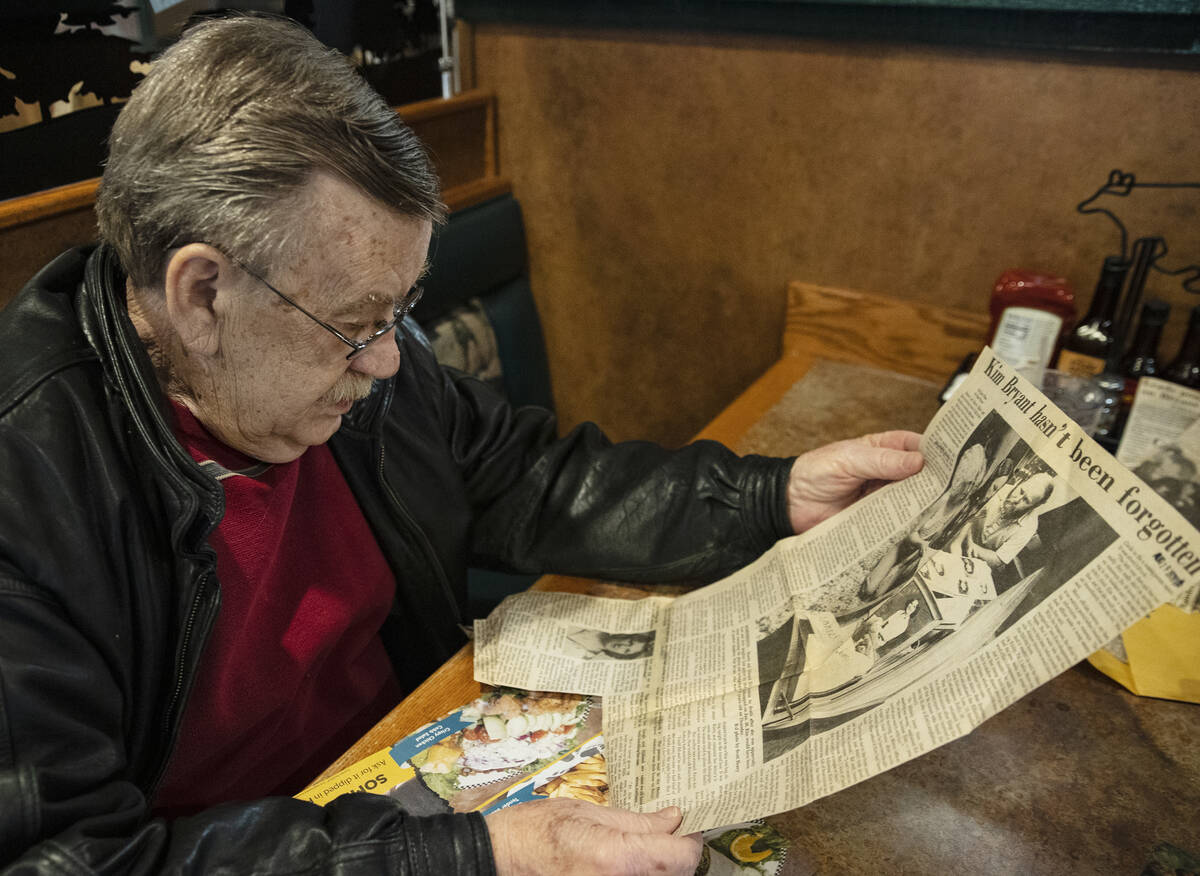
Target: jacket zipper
{"x": 171, "y": 719}
{"x": 430, "y": 554}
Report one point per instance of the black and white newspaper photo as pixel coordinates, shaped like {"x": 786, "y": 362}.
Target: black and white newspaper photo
{"x": 1161, "y": 444}
{"x": 894, "y": 627}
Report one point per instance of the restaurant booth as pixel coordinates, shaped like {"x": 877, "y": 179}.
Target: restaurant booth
{"x": 777, "y": 224}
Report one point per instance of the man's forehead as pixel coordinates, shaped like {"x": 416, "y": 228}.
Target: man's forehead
{"x": 346, "y": 218}
{"x": 364, "y": 255}
{"x": 356, "y": 293}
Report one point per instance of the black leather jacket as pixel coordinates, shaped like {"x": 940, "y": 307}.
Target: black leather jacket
{"x": 108, "y": 587}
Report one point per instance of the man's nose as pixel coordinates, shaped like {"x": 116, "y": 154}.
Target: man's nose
{"x": 380, "y": 359}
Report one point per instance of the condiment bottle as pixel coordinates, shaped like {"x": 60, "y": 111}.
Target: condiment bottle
{"x": 1031, "y": 312}
{"x": 1185, "y": 367}
{"x": 1086, "y": 348}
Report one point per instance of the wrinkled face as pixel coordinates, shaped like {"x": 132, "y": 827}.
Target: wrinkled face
{"x": 281, "y": 383}
{"x": 1023, "y": 496}
{"x": 619, "y": 644}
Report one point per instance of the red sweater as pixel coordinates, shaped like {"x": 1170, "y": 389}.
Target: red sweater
{"x": 294, "y": 671}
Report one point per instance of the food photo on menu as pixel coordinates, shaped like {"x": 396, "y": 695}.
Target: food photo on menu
{"x": 502, "y": 737}
{"x": 481, "y": 757}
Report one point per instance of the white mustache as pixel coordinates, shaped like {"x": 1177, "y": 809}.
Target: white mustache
{"x": 350, "y": 387}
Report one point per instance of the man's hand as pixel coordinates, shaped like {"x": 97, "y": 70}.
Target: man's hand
{"x": 979, "y": 552}
{"x": 826, "y": 480}
{"x": 559, "y": 836}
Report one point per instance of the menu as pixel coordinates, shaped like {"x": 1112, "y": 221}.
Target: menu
{"x": 510, "y": 746}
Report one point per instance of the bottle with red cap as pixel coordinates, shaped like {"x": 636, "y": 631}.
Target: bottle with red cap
{"x": 1032, "y": 312}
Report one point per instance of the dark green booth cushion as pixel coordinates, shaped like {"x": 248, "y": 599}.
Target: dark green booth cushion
{"x": 480, "y": 254}
{"x": 480, "y": 315}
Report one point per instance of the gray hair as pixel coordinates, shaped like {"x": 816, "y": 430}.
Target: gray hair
{"x": 219, "y": 141}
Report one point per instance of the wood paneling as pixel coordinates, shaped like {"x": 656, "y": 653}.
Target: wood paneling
{"x": 674, "y": 184}
{"x": 460, "y": 135}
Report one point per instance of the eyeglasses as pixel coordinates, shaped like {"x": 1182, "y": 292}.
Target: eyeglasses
{"x": 400, "y": 309}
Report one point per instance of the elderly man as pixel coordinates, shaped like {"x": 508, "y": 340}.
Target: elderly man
{"x": 238, "y": 495}
{"x": 1007, "y": 523}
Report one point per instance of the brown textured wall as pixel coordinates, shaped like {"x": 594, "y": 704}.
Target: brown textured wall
{"x": 673, "y": 184}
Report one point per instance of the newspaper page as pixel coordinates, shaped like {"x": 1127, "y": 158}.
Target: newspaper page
{"x": 1161, "y": 443}
{"x": 564, "y": 642}
{"x": 1160, "y": 413}
{"x": 894, "y": 627}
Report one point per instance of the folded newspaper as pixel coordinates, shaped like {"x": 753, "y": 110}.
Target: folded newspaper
{"x": 893, "y": 628}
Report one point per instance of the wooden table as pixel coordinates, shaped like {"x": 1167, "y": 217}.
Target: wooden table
{"x": 1077, "y": 777}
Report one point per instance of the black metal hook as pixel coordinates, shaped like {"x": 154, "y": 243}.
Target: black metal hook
{"x": 1121, "y": 184}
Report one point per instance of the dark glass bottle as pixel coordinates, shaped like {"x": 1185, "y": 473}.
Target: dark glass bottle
{"x": 1185, "y": 367}
{"x": 1111, "y": 380}
{"x": 1086, "y": 348}
{"x": 1141, "y": 359}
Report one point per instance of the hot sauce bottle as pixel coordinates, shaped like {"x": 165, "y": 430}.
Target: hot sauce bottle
{"x": 1032, "y": 312}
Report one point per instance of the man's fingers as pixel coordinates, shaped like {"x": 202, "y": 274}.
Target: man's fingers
{"x": 825, "y": 480}
{"x": 663, "y": 821}
{"x": 666, "y": 853}
{"x": 666, "y": 820}
{"x": 672, "y": 816}
{"x": 899, "y": 454}
{"x": 899, "y": 464}
{"x": 874, "y": 463}
{"x": 897, "y": 439}
{"x": 651, "y": 837}
{"x": 552, "y": 837}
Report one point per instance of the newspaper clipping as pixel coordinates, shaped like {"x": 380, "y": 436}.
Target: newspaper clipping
{"x": 1161, "y": 444}
{"x": 893, "y": 628}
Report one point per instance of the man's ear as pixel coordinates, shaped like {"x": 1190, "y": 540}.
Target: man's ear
{"x": 196, "y": 275}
